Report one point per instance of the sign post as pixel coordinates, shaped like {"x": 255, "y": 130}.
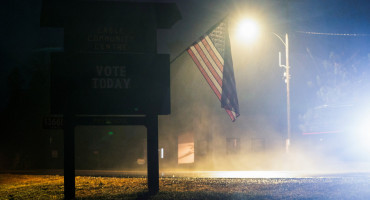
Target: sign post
{"x": 152, "y": 150}
{"x": 69, "y": 156}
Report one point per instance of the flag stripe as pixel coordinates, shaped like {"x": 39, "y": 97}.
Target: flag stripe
{"x": 208, "y": 54}
{"x": 203, "y": 55}
{"x": 212, "y": 57}
{"x": 231, "y": 114}
{"x": 217, "y": 54}
{"x": 195, "y": 59}
{"x": 203, "y": 64}
{"x": 205, "y": 68}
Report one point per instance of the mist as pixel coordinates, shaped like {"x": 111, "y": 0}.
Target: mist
{"x": 328, "y": 72}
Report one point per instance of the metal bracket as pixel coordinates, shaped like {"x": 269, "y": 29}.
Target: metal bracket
{"x": 280, "y": 65}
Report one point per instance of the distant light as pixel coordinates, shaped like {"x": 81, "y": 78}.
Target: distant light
{"x": 162, "y": 153}
{"x": 140, "y": 161}
{"x": 363, "y": 133}
{"x": 358, "y": 136}
{"x": 363, "y": 128}
{"x": 322, "y": 132}
{"x": 242, "y": 174}
{"x": 253, "y": 174}
{"x": 110, "y": 133}
{"x": 247, "y": 31}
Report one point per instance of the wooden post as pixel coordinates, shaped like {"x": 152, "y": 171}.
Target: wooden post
{"x": 152, "y": 153}
{"x": 69, "y": 157}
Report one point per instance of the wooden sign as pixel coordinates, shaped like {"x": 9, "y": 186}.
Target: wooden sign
{"x": 101, "y": 84}
{"x": 110, "y": 67}
{"x": 109, "y": 26}
{"x": 112, "y": 27}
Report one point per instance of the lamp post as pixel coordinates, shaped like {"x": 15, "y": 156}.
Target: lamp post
{"x": 287, "y": 81}
{"x": 248, "y": 30}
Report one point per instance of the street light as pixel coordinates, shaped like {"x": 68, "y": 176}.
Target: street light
{"x": 287, "y": 81}
{"x": 248, "y": 30}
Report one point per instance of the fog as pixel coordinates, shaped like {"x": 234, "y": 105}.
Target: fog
{"x": 329, "y": 73}
{"x": 325, "y": 78}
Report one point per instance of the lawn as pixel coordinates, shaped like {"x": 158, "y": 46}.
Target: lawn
{"x": 51, "y": 187}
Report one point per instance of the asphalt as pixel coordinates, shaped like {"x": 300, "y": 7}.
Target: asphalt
{"x": 200, "y": 174}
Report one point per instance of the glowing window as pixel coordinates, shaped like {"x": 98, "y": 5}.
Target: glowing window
{"x": 232, "y": 145}
{"x": 186, "y": 148}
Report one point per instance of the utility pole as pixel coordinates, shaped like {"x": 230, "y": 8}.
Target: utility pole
{"x": 287, "y": 81}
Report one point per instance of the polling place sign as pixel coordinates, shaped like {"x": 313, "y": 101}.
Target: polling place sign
{"x": 106, "y": 84}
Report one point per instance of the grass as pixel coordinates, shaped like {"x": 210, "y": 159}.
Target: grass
{"x": 51, "y": 187}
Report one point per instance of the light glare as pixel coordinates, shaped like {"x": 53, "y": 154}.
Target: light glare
{"x": 247, "y": 31}
{"x": 363, "y": 130}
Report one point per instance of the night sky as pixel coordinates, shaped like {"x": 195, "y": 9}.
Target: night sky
{"x": 21, "y": 35}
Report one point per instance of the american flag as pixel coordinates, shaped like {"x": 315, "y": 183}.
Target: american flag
{"x": 212, "y": 55}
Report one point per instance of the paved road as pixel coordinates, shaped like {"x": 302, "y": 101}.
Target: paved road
{"x": 205, "y": 174}
{"x": 245, "y": 184}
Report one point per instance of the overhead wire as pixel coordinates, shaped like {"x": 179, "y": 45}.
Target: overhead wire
{"x": 335, "y": 34}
